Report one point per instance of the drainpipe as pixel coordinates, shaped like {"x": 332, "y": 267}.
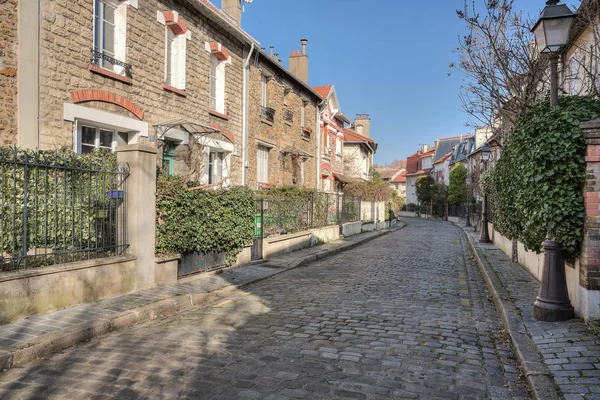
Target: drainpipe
{"x": 245, "y": 116}
{"x": 318, "y": 130}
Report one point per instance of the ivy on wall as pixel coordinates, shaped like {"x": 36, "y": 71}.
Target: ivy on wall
{"x": 537, "y": 184}
{"x": 202, "y": 220}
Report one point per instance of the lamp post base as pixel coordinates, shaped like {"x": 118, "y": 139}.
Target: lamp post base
{"x": 552, "y": 303}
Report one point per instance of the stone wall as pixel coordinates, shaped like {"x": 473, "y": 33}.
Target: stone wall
{"x": 589, "y": 273}
{"x": 66, "y": 46}
{"x": 8, "y": 72}
{"x": 280, "y": 133}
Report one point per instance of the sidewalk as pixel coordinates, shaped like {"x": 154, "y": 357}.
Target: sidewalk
{"x": 552, "y": 354}
{"x": 36, "y": 337}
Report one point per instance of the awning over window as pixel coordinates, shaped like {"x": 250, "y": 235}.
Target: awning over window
{"x": 292, "y": 150}
{"x": 173, "y": 129}
{"x": 345, "y": 179}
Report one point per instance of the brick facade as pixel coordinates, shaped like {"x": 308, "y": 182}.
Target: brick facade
{"x": 66, "y": 70}
{"x": 8, "y": 72}
{"x": 280, "y": 134}
{"x": 589, "y": 272}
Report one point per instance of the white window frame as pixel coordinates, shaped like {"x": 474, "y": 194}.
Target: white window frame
{"x": 120, "y": 33}
{"x": 216, "y": 159}
{"x": 262, "y": 164}
{"x": 175, "y": 58}
{"x": 217, "y": 78}
{"x": 303, "y": 114}
{"x": 118, "y": 137}
{"x": 264, "y": 91}
{"x": 210, "y": 145}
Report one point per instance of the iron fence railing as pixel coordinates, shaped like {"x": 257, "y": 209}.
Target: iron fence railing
{"x": 57, "y": 208}
{"x": 283, "y": 215}
{"x": 267, "y": 113}
{"x": 288, "y": 115}
{"x": 103, "y": 60}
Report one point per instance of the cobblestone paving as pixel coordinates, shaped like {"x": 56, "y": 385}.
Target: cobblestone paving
{"x": 569, "y": 350}
{"x": 403, "y": 316}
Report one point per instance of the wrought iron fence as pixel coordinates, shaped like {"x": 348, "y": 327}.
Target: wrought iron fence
{"x": 288, "y": 115}
{"x": 267, "y": 113}
{"x": 57, "y": 207}
{"x": 281, "y": 216}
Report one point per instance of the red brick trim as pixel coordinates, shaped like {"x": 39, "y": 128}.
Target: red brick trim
{"x": 175, "y": 24}
{"x": 109, "y": 74}
{"x": 218, "y": 114}
{"x": 82, "y": 96}
{"x": 219, "y": 51}
{"x": 592, "y": 153}
{"x": 173, "y": 89}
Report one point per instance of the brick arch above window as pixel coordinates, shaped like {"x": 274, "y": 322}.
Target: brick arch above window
{"x": 173, "y": 21}
{"x": 218, "y": 50}
{"x": 82, "y": 96}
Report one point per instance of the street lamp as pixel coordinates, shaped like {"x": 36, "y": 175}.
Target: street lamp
{"x": 551, "y": 35}
{"x": 484, "y": 156}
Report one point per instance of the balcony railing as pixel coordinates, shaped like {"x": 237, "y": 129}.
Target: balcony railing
{"x": 288, "y": 115}
{"x": 267, "y": 113}
{"x": 105, "y": 61}
{"x": 305, "y": 134}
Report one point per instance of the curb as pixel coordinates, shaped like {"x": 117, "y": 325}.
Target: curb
{"x": 18, "y": 355}
{"x": 538, "y": 376}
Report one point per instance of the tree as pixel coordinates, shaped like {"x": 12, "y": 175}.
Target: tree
{"x": 504, "y": 74}
{"x": 425, "y": 189}
{"x": 457, "y": 190}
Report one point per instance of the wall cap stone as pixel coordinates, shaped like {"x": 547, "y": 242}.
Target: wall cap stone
{"x": 144, "y": 148}
{"x": 66, "y": 267}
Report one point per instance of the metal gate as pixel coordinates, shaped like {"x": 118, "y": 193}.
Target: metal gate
{"x": 257, "y": 243}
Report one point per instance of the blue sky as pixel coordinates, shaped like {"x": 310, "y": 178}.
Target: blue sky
{"x": 386, "y": 58}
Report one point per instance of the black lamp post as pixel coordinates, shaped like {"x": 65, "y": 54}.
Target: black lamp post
{"x": 484, "y": 156}
{"x": 551, "y": 35}
{"x": 468, "y": 222}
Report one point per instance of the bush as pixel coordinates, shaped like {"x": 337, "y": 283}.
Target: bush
{"x": 539, "y": 178}
{"x": 457, "y": 190}
{"x": 202, "y": 221}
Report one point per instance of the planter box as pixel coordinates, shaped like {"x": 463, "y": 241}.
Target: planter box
{"x": 165, "y": 269}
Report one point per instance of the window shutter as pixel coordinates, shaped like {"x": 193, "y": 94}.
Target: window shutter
{"x": 218, "y": 167}
{"x": 120, "y": 36}
{"x": 206, "y": 169}
{"x": 180, "y": 43}
{"x": 221, "y": 88}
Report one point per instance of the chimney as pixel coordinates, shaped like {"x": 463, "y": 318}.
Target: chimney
{"x": 363, "y": 124}
{"x": 276, "y": 57}
{"x": 233, "y": 8}
{"x": 299, "y": 63}
{"x": 271, "y": 49}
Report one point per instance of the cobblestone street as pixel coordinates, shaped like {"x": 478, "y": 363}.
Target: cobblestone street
{"x": 406, "y": 315}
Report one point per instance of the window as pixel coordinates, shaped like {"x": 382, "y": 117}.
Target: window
{"x": 262, "y": 164}
{"x": 175, "y": 59}
{"x": 302, "y": 114}
{"x": 573, "y": 76}
{"x": 264, "y": 101}
{"x": 215, "y": 167}
{"x": 338, "y": 146}
{"x": 90, "y": 138}
{"x": 110, "y": 27}
{"x": 285, "y": 97}
{"x": 217, "y": 85}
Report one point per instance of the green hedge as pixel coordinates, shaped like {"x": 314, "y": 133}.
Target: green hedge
{"x": 537, "y": 185}
{"x": 202, "y": 220}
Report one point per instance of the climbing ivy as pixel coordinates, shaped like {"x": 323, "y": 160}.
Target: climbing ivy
{"x": 537, "y": 184}
{"x": 202, "y": 220}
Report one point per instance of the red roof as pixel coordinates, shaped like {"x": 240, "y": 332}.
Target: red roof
{"x": 413, "y": 163}
{"x": 323, "y": 91}
{"x": 400, "y": 178}
{"x": 351, "y": 136}
{"x": 421, "y": 172}
{"x": 444, "y": 158}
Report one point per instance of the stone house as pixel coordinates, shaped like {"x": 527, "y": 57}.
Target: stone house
{"x": 332, "y": 124}
{"x": 101, "y": 73}
{"x": 282, "y": 144}
{"x": 441, "y": 159}
{"x": 398, "y": 183}
{"x": 418, "y": 164}
{"x": 358, "y": 151}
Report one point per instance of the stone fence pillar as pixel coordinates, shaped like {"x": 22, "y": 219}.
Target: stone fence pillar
{"x": 589, "y": 268}
{"x": 141, "y": 208}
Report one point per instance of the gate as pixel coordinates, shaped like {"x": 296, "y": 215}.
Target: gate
{"x": 257, "y": 243}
